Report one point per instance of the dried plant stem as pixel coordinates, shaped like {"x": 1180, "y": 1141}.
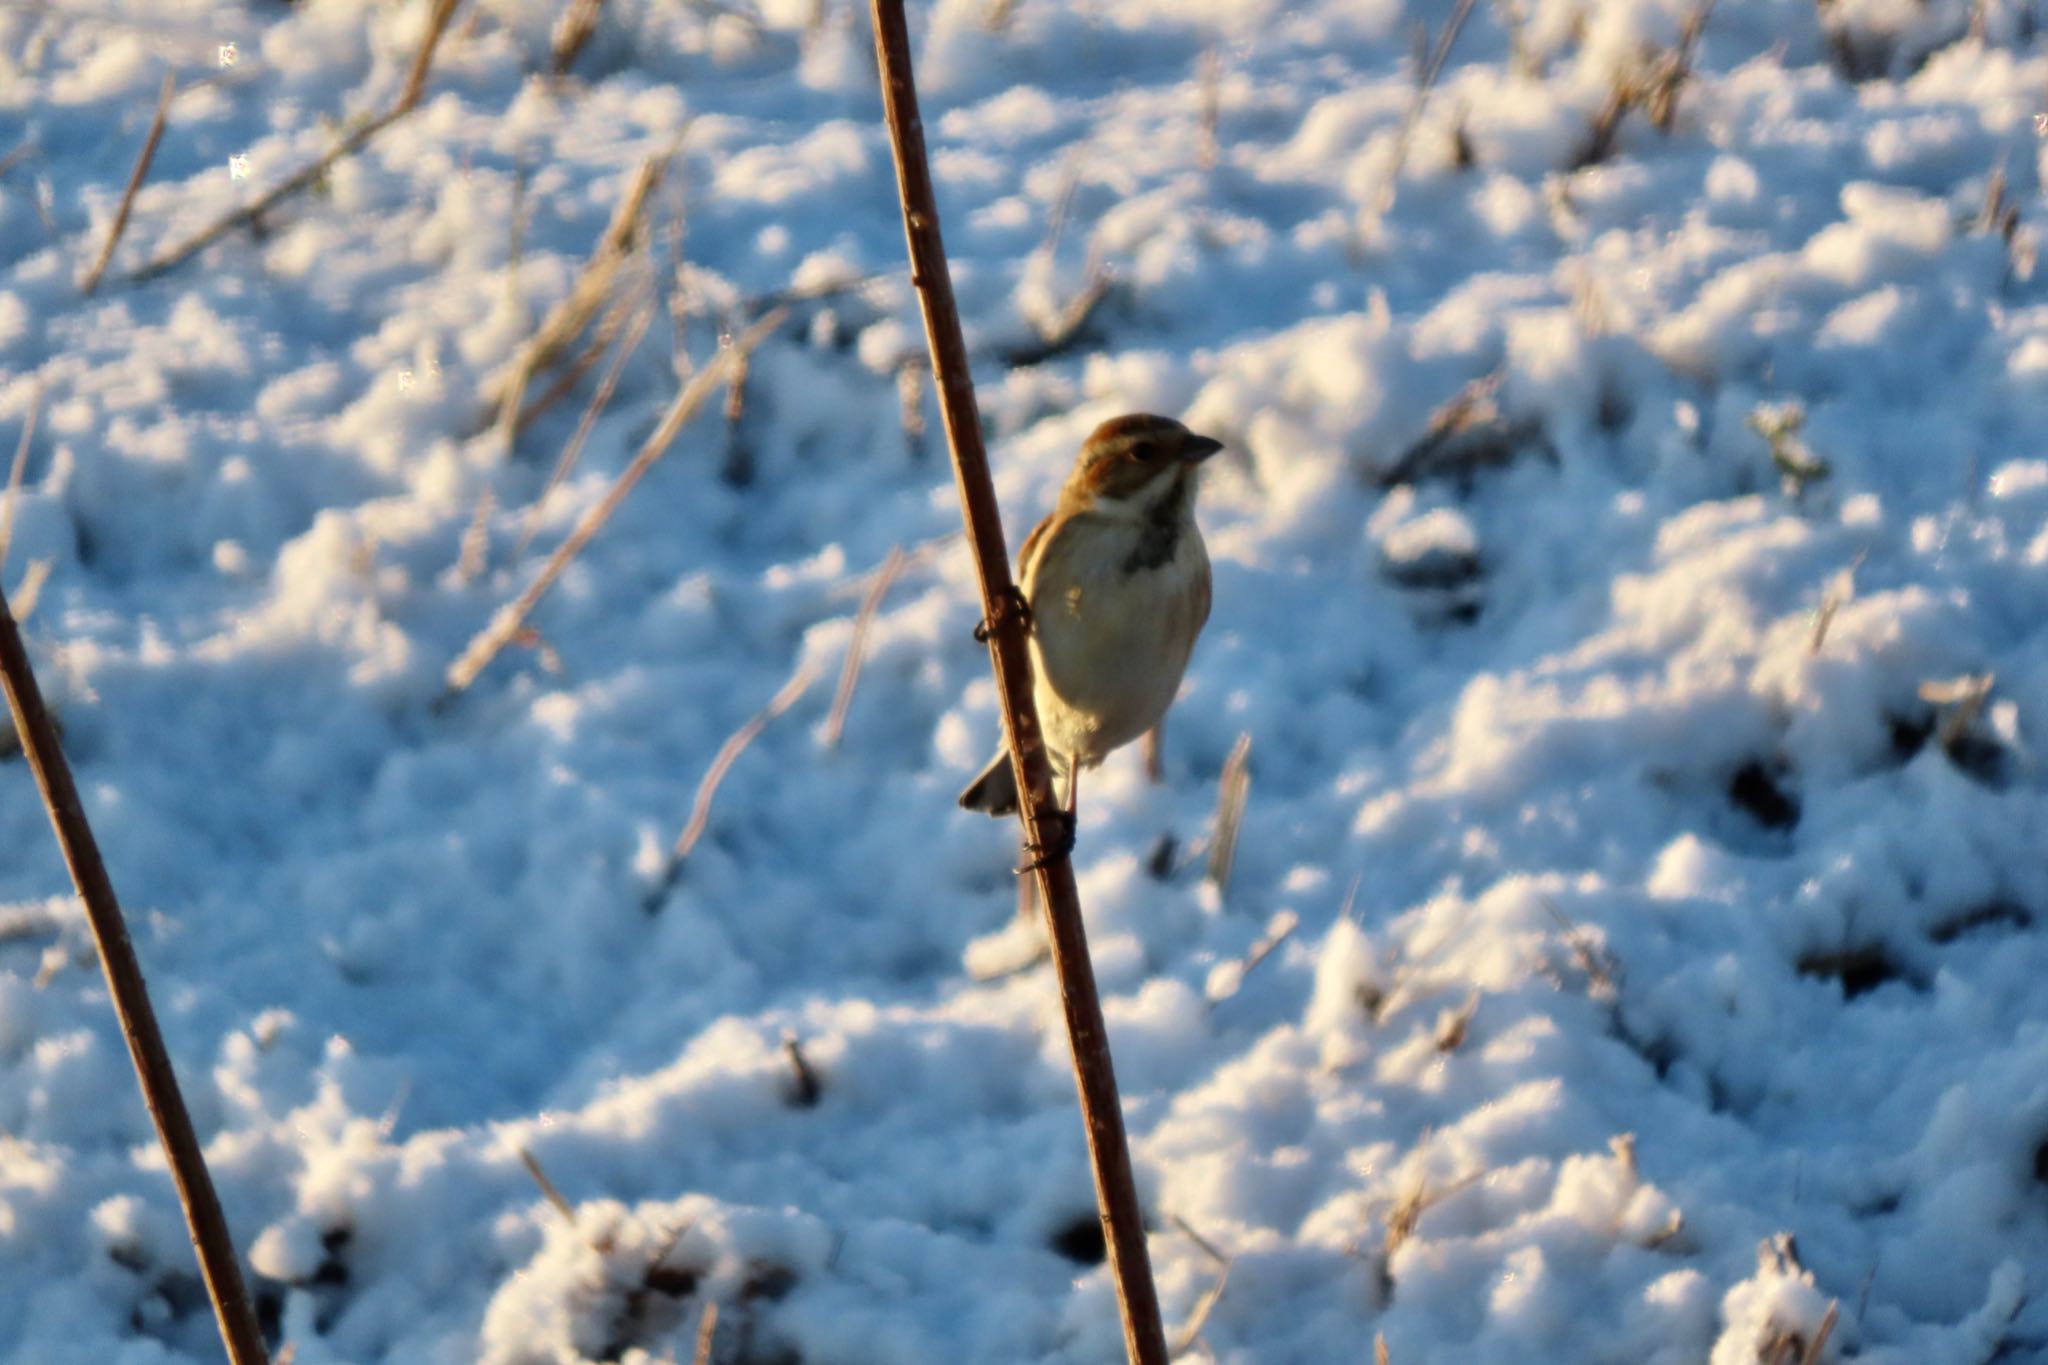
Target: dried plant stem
{"x": 607, "y": 330}
{"x": 1425, "y": 78}
{"x": 835, "y": 723}
{"x": 578, "y": 22}
{"x": 548, "y": 1189}
{"x": 591, "y": 411}
{"x": 415, "y": 82}
{"x": 707, "y": 1329}
{"x": 566, "y": 321}
{"x": 15, "y": 472}
{"x": 728, "y": 753}
{"x": 1094, "y": 1074}
{"x": 217, "y": 1261}
{"x": 1232, "y": 790}
{"x": 135, "y": 178}
{"x": 506, "y": 624}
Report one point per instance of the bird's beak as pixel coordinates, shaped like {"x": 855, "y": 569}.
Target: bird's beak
{"x": 1195, "y": 449}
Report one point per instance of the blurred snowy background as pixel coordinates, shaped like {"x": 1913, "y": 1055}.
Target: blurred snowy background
{"x": 1630, "y": 568}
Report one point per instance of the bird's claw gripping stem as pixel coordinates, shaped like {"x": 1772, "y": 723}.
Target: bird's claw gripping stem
{"x": 1060, "y": 845}
{"x": 1009, "y": 601}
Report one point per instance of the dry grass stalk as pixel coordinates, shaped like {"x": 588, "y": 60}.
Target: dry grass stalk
{"x": 20, "y": 153}
{"x": 707, "y": 1330}
{"x": 476, "y": 541}
{"x": 1821, "y": 1334}
{"x": 547, "y": 1188}
{"x": 849, "y": 674}
{"x": 728, "y": 753}
{"x": 508, "y": 622}
{"x": 1209, "y": 1248}
{"x": 738, "y": 469}
{"x": 31, "y": 590}
{"x": 1602, "y": 972}
{"x": 616, "y": 317}
{"x": 1153, "y": 751}
{"x": 1467, "y": 433}
{"x": 1427, "y": 69}
{"x": 1453, "y": 1026}
{"x": 1116, "y": 1191}
{"x": 1191, "y": 1330}
{"x": 1278, "y": 929}
{"x": 1839, "y": 590}
{"x": 807, "y": 1087}
{"x": 578, "y": 22}
{"x": 591, "y": 411}
{"x": 1964, "y": 698}
{"x": 1379, "y": 1349}
{"x": 219, "y": 1266}
{"x": 315, "y": 170}
{"x": 566, "y": 321}
{"x": 1232, "y": 790}
{"x": 135, "y": 178}
{"x": 16, "y": 470}
{"x": 1058, "y": 335}
{"x": 1653, "y": 87}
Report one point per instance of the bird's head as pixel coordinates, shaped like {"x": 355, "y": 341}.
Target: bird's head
{"x": 1134, "y": 458}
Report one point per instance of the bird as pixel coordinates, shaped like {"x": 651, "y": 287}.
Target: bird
{"x": 1116, "y": 586}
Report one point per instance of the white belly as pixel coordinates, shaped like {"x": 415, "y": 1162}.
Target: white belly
{"x": 1109, "y": 645}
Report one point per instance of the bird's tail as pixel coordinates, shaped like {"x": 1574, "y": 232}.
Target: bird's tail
{"x": 995, "y": 791}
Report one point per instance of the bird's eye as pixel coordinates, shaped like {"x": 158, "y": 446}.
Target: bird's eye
{"x": 1145, "y": 450}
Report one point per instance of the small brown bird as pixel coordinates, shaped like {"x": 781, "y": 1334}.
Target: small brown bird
{"x": 1117, "y": 580}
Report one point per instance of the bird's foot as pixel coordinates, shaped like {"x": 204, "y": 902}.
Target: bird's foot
{"x": 1057, "y": 847}
{"x": 1009, "y": 601}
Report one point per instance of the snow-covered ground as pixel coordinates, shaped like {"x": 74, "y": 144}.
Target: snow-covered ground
{"x": 1665, "y": 883}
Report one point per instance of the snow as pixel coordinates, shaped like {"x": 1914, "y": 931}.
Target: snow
{"x": 1632, "y": 948}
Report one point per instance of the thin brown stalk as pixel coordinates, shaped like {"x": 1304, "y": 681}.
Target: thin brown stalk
{"x": 807, "y": 1087}
{"x": 1209, "y": 1248}
{"x": 1061, "y": 334}
{"x": 15, "y": 471}
{"x": 591, "y": 411}
{"x": 135, "y": 178}
{"x": 579, "y": 21}
{"x": 835, "y": 723}
{"x": 566, "y": 321}
{"x": 707, "y": 1329}
{"x": 31, "y": 590}
{"x": 506, "y": 625}
{"x": 1278, "y": 929}
{"x": 1425, "y": 78}
{"x": 1232, "y": 790}
{"x": 1819, "y": 1344}
{"x": 1199, "y": 1318}
{"x": 548, "y": 1189}
{"x": 218, "y": 1264}
{"x": 728, "y": 753}
{"x": 416, "y": 79}
{"x": 616, "y": 317}
{"x": 1116, "y": 1191}
{"x": 1154, "y": 752}
{"x": 313, "y": 171}
{"x": 476, "y": 541}
{"x": 19, "y": 154}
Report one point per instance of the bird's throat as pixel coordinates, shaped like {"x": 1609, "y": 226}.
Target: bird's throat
{"x": 1159, "y": 533}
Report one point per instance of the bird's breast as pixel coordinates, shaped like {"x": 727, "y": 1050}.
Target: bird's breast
{"x": 1110, "y": 642}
